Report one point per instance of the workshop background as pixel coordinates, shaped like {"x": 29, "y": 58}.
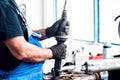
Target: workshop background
{"x": 92, "y": 25}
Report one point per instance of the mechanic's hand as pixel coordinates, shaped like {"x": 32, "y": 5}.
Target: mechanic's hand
{"x": 59, "y": 28}
{"x": 59, "y": 51}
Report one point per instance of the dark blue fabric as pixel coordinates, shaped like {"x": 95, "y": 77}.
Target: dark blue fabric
{"x": 26, "y": 70}
{"x": 10, "y": 27}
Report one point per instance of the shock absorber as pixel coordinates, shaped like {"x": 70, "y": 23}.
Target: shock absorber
{"x": 60, "y": 40}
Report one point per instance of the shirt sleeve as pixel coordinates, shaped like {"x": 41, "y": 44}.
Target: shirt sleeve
{"x": 9, "y": 23}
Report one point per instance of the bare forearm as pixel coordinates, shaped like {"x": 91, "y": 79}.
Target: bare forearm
{"x": 35, "y": 54}
{"x": 25, "y": 51}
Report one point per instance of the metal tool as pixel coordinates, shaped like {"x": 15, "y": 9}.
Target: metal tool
{"x": 60, "y": 40}
{"x": 63, "y": 38}
{"x": 92, "y": 66}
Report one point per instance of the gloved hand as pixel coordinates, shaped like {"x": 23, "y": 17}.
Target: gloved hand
{"x": 59, "y": 51}
{"x": 59, "y": 28}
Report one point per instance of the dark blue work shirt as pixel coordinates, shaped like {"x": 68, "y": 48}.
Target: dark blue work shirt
{"x": 11, "y": 26}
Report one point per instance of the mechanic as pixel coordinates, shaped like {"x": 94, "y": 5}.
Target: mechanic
{"x": 22, "y": 56}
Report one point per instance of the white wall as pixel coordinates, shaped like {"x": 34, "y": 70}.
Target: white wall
{"x": 39, "y": 13}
